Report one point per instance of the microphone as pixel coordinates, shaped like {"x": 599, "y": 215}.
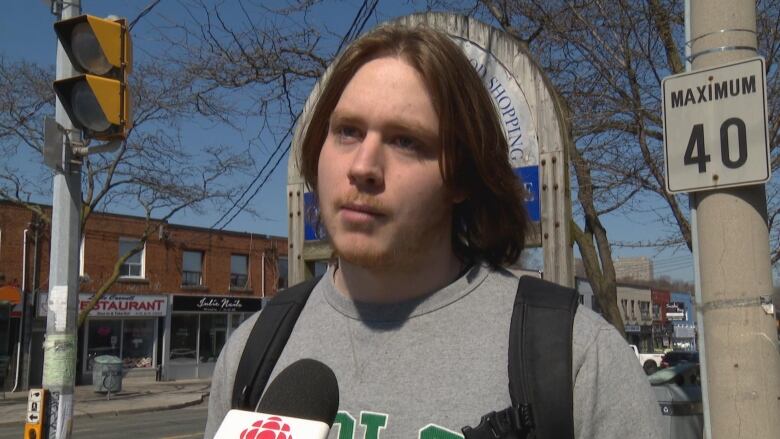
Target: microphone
{"x": 300, "y": 403}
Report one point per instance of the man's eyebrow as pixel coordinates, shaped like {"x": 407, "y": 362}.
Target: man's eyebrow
{"x": 344, "y": 116}
{"x": 413, "y": 127}
{"x": 400, "y": 123}
{"x": 410, "y": 125}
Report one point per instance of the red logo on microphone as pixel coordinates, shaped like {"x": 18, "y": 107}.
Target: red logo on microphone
{"x": 271, "y": 428}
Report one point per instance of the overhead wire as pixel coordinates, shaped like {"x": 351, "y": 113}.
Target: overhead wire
{"x": 145, "y": 11}
{"x": 360, "y": 17}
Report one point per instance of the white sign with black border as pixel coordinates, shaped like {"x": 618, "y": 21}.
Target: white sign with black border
{"x": 715, "y": 127}
{"x": 34, "y": 406}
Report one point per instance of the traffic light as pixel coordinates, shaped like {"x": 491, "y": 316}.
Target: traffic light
{"x": 98, "y": 100}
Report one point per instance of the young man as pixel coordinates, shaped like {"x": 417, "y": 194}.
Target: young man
{"x": 407, "y": 157}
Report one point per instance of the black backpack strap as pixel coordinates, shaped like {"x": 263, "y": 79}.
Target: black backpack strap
{"x": 269, "y": 335}
{"x": 540, "y": 355}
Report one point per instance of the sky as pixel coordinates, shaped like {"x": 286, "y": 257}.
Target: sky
{"x": 26, "y": 33}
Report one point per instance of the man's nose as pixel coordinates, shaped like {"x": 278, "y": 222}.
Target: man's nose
{"x": 367, "y": 168}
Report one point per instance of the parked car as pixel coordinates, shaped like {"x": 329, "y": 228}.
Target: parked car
{"x": 678, "y": 391}
{"x": 674, "y": 358}
{"x": 650, "y": 361}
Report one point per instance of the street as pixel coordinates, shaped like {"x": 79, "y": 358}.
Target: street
{"x": 183, "y": 423}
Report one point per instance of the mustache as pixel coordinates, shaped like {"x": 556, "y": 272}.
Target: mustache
{"x": 363, "y": 200}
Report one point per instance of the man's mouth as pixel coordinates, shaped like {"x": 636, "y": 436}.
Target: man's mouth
{"x": 362, "y": 208}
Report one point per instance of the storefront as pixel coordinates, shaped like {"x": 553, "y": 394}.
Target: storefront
{"x": 681, "y": 314}
{"x": 641, "y": 336}
{"x": 684, "y": 337}
{"x": 127, "y": 326}
{"x": 5, "y": 336}
{"x": 9, "y": 315}
{"x": 662, "y": 336}
{"x": 197, "y": 329}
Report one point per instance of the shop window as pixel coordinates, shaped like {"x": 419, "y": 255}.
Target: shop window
{"x": 236, "y": 319}
{"x": 137, "y": 343}
{"x": 132, "y": 340}
{"x": 5, "y": 331}
{"x": 184, "y": 338}
{"x": 192, "y": 268}
{"x": 644, "y": 310}
{"x": 281, "y": 268}
{"x": 239, "y": 267}
{"x": 105, "y": 338}
{"x": 213, "y": 333}
{"x": 134, "y": 265}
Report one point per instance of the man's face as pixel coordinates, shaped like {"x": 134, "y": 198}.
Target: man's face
{"x": 380, "y": 189}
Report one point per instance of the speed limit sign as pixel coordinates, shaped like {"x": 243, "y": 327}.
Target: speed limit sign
{"x": 715, "y": 127}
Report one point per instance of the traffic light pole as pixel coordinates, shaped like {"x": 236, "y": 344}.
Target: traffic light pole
{"x": 59, "y": 349}
{"x": 742, "y": 376}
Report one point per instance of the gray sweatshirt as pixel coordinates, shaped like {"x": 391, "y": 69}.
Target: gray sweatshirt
{"x": 425, "y": 368}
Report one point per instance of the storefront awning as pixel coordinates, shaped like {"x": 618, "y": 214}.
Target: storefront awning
{"x": 10, "y": 294}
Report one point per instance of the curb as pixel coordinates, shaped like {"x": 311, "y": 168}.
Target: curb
{"x": 175, "y": 406}
{"x": 195, "y": 401}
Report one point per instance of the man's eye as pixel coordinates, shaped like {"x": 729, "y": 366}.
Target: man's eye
{"x": 406, "y": 142}
{"x": 347, "y": 133}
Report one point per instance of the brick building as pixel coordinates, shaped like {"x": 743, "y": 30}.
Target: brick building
{"x": 662, "y": 328}
{"x": 171, "y": 309}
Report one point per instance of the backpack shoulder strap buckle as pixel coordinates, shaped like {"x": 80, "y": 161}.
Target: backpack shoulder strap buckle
{"x": 510, "y": 423}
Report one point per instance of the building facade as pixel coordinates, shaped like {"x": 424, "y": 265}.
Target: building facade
{"x": 655, "y": 319}
{"x": 682, "y": 314}
{"x": 172, "y": 307}
{"x": 634, "y": 269}
{"x": 634, "y": 303}
{"x": 662, "y": 328}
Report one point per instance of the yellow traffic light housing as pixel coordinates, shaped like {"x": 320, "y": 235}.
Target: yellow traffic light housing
{"x": 97, "y": 101}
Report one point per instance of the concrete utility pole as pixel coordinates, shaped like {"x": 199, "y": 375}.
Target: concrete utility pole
{"x": 59, "y": 347}
{"x": 741, "y": 349}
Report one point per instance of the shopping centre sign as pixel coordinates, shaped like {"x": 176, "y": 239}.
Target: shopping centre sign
{"x": 117, "y": 305}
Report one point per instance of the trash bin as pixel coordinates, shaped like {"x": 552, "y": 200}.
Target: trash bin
{"x": 678, "y": 391}
{"x": 107, "y": 374}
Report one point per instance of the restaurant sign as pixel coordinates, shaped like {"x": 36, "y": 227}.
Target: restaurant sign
{"x": 117, "y": 305}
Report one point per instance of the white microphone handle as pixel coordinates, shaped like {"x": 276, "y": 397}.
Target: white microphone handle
{"x": 239, "y": 424}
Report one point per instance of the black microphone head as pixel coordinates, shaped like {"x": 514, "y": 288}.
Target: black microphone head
{"x": 306, "y": 389}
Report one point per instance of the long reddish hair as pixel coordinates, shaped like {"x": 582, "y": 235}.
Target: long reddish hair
{"x": 491, "y": 223}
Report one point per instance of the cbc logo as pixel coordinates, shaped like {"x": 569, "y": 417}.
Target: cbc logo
{"x": 271, "y": 428}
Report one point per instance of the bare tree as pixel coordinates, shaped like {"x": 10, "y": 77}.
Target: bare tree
{"x": 607, "y": 59}
{"x": 250, "y": 75}
{"x": 153, "y": 171}
{"x": 276, "y": 57}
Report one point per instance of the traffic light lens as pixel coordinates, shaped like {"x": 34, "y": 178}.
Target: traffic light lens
{"x": 87, "y": 109}
{"x": 87, "y": 51}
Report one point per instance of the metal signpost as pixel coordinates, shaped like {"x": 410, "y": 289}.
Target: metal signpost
{"x": 94, "y": 57}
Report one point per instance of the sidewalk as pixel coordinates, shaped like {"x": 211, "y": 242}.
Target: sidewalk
{"x": 135, "y": 397}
